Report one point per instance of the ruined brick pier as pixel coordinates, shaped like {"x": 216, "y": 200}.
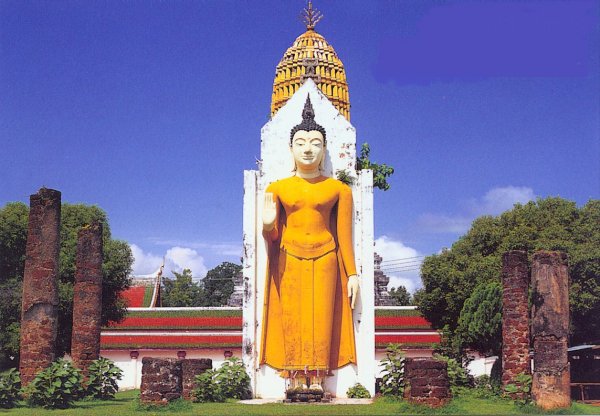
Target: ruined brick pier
{"x": 515, "y": 316}
{"x": 39, "y": 310}
{"x": 87, "y": 297}
{"x": 550, "y": 328}
{"x": 426, "y": 381}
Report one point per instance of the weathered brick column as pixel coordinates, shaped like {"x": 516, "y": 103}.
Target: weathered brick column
{"x": 161, "y": 380}
{"x": 87, "y": 297}
{"x": 550, "y": 329}
{"x": 39, "y": 310}
{"x": 515, "y": 316}
{"x": 426, "y": 381}
{"x": 190, "y": 369}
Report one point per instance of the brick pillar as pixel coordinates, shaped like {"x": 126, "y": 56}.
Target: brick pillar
{"x": 161, "y": 380}
{"x": 87, "y": 297}
{"x": 190, "y": 369}
{"x": 550, "y": 329}
{"x": 515, "y": 316}
{"x": 426, "y": 381}
{"x": 39, "y": 310}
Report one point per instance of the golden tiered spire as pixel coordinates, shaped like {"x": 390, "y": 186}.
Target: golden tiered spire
{"x": 310, "y": 56}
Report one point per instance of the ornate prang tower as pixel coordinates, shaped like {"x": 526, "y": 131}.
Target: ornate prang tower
{"x": 382, "y": 297}
{"x": 309, "y": 66}
{"x": 311, "y": 57}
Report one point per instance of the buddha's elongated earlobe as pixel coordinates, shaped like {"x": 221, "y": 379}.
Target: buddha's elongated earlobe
{"x": 294, "y": 167}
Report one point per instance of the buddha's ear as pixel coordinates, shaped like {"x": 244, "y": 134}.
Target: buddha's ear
{"x": 294, "y": 168}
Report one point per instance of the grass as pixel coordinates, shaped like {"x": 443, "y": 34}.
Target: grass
{"x": 126, "y": 403}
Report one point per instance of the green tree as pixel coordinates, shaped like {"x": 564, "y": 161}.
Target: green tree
{"x": 13, "y": 235}
{"x": 480, "y": 320}
{"x": 546, "y": 224}
{"x": 381, "y": 171}
{"x": 182, "y": 291}
{"x": 218, "y": 284}
{"x": 400, "y": 296}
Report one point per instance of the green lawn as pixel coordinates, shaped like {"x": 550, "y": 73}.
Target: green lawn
{"x": 126, "y": 404}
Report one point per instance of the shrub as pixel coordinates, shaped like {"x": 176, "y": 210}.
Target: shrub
{"x": 486, "y": 387}
{"x": 207, "y": 389}
{"x": 358, "y": 391}
{"x": 458, "y": 377}
{"x": 102, "y": 379}
{"x": 230, "y": 381}
{"x": 234, "y": 380}
{"x": 520, "y": 391}
{"x": 56, "y": 387}
{"x": 10, "y": 385}
{"x": 392, "y": 382}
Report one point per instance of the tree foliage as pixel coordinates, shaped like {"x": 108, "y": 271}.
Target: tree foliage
{"x": 401, "y": 296}
{"x": 480, "y": 320}
{"x": 381, "y": 171}
{"x": 13, "y": 237}
{"x": 218, "y": 284}
{"x": 182, "y": 291}
{"x": 475, "y": 259}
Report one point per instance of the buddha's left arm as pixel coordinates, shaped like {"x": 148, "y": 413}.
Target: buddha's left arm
{"x": 344, "y": 229}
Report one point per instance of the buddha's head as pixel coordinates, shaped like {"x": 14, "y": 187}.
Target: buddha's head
{"x": 308, "y": 141}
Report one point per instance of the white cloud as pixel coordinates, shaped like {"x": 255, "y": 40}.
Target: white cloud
{"x": 176, "y": 259}
{"x": 144, "y": 263}
{"x": 217, "y": 248}
{"x": 494, "y": 202}
{"x": 400, "y": 263}
{"x": 179, "y": 258}
{"x": 498, "y": 200}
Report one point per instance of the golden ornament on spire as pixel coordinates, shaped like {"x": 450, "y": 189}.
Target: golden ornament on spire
{"x": 311, "y": 16}
{"x": 311, "y": 56}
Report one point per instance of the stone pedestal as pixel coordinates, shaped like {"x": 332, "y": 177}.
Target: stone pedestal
{"x": 87, "y": 297}
{"x": 39, "y": 310}
{"x": 277, "y": 163}
{"x": 161, "y": 380}
{"x": 426, "y": 381}
{"x": 515, "y": 316}
{"x": 550, "y": 329}
{"x": 190, "y": 368}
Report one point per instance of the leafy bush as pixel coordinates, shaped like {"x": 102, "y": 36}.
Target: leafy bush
{"x": 207, "y": 389}
{"x": 392, "y": 383}
{"x": 230, "y": 381}
{"x": 102, "y": 379}
{"x": 486, "y": 387}
{"x": 10, "y": 385}
{"x": 56, "y": 387}
{"x": 457, "y": 375}
{"x": 520, "y": 391}
{"x": 233, "y": 379}
{"x": 358, "y": 391}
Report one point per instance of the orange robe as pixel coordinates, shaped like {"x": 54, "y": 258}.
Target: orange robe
{"x": 307, "y": 319}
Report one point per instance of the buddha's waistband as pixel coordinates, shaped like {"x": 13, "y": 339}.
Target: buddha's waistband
{"x": 308, "y": 253}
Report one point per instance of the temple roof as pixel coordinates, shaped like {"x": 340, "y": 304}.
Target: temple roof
{"x": 201, "y": 328}
{"x": 311, "y": 56}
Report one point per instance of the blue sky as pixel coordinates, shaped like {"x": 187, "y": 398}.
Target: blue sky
{"x": 153, "y": 109}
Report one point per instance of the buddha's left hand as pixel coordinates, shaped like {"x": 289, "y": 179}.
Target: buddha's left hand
{"x": 352, "y": 289}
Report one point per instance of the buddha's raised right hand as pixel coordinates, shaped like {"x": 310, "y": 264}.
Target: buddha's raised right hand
{"x": 269, "y": 212}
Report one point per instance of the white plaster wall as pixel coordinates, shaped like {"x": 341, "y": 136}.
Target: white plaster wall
{"x": 277, "y": 163}
{"x": 132, "y": 368}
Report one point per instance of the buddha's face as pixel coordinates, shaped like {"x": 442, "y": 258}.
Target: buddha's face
{"x": 308, "y": 149}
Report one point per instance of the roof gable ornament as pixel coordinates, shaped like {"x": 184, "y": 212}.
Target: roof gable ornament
{"x": 311, "y": 16}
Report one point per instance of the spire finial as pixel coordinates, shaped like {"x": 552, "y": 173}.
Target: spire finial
{"x": 311, "y": 16}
